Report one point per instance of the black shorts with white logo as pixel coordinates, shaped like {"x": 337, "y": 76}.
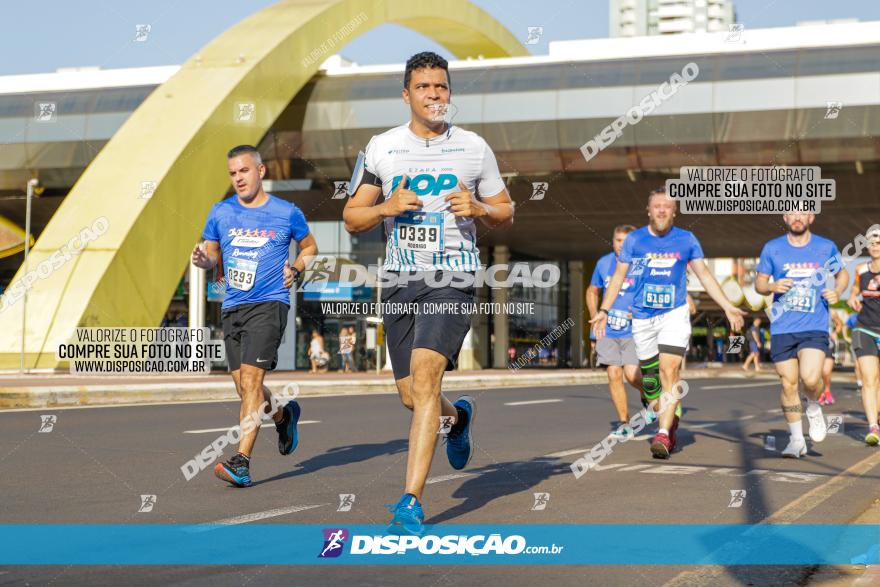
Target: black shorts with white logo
{"x": 437, "y": 324}
{"x": 252, "y": 333}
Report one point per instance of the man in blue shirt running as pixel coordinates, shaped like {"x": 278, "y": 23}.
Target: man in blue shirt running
{"x": 657, "y": 256}
{"x": 800, "y": 264}
{"x": 251, "y": 232}
{"x": 616, "y": 350}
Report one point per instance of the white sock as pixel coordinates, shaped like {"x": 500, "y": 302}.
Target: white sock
{"x": 859, "y": 382}
{"x": 797, "y": 430}
{"x": 813, "y": 408}
{"x": 663, "y": 431}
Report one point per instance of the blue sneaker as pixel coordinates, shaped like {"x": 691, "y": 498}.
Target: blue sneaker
{"x": 235, "y": 471}
{"x": 288, "y": 437}
{"x": 408, "y": 517}
{"x": 459, "y": 441}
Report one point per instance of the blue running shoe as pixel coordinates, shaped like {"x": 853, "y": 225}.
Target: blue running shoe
{"x": 460, "y": 440}
{"x": 288, "y": 437}
{"x": 408, "y": 517}
{"x": 235, "y": 471}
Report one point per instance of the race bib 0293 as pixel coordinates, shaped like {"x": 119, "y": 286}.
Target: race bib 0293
{"x": 241, "y": 273}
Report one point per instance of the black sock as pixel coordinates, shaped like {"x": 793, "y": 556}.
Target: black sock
{"x": 461, "y": 421}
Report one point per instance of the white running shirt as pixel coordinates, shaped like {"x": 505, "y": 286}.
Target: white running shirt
{"x": 432, "y": 238}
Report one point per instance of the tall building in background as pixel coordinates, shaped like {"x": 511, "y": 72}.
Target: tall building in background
{"x": 636, "y": 18}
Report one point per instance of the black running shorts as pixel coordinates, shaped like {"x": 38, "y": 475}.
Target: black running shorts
{"x": 417, "y": 315}
{"x": 252, "y": 333}
{"x": 864, "y": 344}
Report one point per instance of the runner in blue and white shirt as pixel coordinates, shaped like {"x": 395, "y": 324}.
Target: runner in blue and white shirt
{"x": 436, "y": 180}
{"x": 801, "y": 265}
{"x": 657, "y": 256}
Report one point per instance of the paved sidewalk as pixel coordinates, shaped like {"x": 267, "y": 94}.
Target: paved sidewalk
{"x": 38, "y": 390}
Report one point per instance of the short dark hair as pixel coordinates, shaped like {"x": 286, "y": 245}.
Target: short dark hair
{"x": 243, "y": 149}
{"x": 624, "y": 228}
{"x": 425, "y": 59}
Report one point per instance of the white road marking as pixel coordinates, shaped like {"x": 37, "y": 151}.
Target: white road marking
{"x": 770, "y": 475}
{"x": 706, "y": 425}
{"x": 247, "y": 518}
{"x": 265, "y": 425}
{"x": 635, "y": 467}
{"x": 449, "y": 477}
{"x": 735, "y": 386}
{"x": 749, "y": 417}
{"x": 580, "y": 451}
{"x": 776, "y": 411}
{"x": 566, "y": 453}
{"x": 534, "y": 401}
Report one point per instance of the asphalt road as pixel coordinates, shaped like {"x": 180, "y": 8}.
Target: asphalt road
{"x": 96, "y": 463}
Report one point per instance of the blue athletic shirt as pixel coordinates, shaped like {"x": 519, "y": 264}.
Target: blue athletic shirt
{"x": 255, "y": 244}
{"x": 659, "y": 266}
{"x": 620, "y": 316}
{"x": 805, "y": 308}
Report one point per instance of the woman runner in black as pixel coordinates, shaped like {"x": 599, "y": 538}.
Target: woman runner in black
{"x": 865, "y": 299}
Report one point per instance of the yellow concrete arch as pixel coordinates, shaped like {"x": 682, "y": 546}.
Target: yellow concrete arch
{"x": 122, "y": 254}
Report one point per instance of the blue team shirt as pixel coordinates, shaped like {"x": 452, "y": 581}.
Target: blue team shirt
{"x": 255, "y": 243}
{"x": 659, "y": 266}
{"x": 619, "y": 323}
{"x": 805, "y": 308}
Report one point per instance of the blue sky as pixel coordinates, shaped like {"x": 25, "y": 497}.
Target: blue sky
{"x": 43, "y": 36}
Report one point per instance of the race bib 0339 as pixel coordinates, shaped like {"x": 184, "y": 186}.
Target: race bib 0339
{"x": 419, "y": 231}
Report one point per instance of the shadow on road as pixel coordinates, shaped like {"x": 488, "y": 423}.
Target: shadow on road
{"x": 341, "y": 456}
{"x": 499, "y": 480}
{"x": 754, "y": 508}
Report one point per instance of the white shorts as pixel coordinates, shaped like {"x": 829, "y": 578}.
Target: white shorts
{"x": 669, "y": 333}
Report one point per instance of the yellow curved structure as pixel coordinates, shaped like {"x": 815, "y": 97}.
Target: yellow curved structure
{"x": 156, "y": 179}
{"x": 11, "y": 238}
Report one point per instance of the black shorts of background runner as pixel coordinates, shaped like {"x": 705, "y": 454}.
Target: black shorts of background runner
{"x": 865, "y": 344}
{"x": 441, "y": 332}
{"x": 252, "y": 333}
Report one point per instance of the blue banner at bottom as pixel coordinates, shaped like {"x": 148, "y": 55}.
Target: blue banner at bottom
{"x": 275, "y": 544}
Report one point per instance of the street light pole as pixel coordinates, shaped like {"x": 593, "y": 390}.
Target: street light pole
{"x": 33, "y": 183}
